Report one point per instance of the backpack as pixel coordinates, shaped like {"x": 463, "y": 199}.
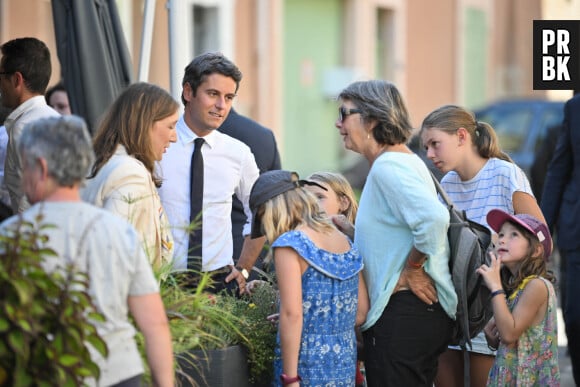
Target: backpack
{"x": 469, "y": 242}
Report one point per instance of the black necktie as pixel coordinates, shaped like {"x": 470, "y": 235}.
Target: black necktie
{"x": 196, "y": 205}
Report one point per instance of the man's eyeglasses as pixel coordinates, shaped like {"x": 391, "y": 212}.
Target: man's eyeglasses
{"x": 344, "y": 112}
{"x": 6, "y": 72}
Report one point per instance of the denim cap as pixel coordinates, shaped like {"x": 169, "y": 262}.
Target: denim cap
{"x": 496, "y": 218}
{"x": 269, "y": 185}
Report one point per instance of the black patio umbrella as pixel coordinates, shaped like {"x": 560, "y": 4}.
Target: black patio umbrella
{"x": 93, "y": 54}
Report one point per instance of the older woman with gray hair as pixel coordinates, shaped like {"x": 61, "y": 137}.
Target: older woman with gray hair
{"x": 56, "y": 155}
{"x": 401, "y": 232}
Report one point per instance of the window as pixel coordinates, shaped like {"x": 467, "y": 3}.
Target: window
{"x": 205, "y": 29}
{"x": 385, "y": 44}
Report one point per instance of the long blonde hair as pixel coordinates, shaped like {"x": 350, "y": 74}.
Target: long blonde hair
{"x": 289, "y": 210}
{"x": 341, "y": 188}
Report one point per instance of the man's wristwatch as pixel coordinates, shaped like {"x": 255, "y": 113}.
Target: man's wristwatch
{"x": 285, "y": 379}
{"x": 244, "y": 272}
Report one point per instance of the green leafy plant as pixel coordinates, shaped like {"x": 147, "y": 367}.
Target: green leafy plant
{"x": 198, "y": 320}
{"x": 260, "y": 332}
{"x": 202, "y": 321}
{"x": 47, "y": 318}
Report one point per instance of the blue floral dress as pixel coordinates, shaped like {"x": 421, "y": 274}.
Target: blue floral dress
{"x": 533, "y": 359}
{"x": 330, "y": 298}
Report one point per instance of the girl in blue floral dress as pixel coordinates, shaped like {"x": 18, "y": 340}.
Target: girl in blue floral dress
{"x": 322, "y": 293}
{"x": 337, "y": 199}
{"x": 524, "y": 328}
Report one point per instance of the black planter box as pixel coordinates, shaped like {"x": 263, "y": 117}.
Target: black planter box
{"x": 214, "y": 368}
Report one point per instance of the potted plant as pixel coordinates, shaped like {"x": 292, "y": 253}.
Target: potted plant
{"x": 47, "y": 318}
{"x": 220, "y": 340}
{"x": 260, "y": 333}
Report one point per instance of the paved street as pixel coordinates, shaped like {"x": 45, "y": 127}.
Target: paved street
{"x": 565, "y": 367}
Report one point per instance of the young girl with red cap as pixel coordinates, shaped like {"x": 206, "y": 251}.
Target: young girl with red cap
{"x": 524, "y": 327}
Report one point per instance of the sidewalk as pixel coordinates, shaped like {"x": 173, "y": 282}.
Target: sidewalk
{"x": 566, "y": 379}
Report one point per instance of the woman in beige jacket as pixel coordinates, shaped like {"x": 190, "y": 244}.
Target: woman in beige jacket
{"x": 135, "y": 132}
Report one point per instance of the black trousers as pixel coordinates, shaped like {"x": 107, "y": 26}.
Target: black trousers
{"x": 572, "y": 309}
{"x": 217, "y": 284}
{"x": 402, "y": 348}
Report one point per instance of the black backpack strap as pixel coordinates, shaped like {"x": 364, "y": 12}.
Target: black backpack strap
{"x": 466, "y": 362}
{"x": 441, "y": 191}
{"x": 466, "y": 366}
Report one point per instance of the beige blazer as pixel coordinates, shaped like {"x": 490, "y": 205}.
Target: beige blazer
{"x": 125, "y": 187}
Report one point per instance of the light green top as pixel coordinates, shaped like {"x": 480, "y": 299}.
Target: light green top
{"x": 399, "y": 209}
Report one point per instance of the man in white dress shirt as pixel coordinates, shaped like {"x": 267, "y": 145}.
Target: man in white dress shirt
{"x": 25, "y": 71}
{"x": 209, "y": 85}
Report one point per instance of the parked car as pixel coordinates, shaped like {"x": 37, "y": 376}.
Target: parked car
{"x": 521, "y": 125}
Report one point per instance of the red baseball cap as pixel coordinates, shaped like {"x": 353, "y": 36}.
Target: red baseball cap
{"x": 496, "y": 218}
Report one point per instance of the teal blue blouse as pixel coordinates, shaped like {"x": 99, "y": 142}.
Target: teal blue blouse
{"x": 399, "y": 209}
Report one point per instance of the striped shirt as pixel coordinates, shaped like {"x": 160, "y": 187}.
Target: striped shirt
{"x": 492, "y": 187}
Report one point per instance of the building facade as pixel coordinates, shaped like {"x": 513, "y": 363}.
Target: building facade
{"x": 296, "y": 55}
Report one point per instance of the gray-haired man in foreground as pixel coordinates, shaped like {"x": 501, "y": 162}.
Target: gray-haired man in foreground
{"x": 56, "y": 154}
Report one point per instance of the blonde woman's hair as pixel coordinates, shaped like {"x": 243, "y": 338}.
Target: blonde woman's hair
{"x": 341, "y": 188}
{"x": 291, "y": 209}
{"x": 449, "y": 118}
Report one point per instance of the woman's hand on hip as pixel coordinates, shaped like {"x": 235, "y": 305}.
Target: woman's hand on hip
{"x": 419, "y": 282}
